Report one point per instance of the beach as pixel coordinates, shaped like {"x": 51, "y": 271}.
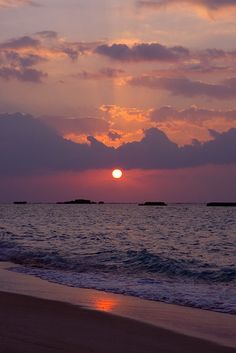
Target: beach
{"x": 34, "y": 325}
{"x": 37, "y": 323}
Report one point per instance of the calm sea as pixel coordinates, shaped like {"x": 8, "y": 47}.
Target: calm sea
{"x": 181, "y": 254}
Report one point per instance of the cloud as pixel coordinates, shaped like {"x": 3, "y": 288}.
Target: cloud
{"x": 104, "y": 73}
{"x": 182, "y": 86}
{"x": 25, "y": 75}
{"x": 192, "y": 114}
{"x": 211, "y": 6}
{"x": 16, "y": 3}
{"x": 28, "y": 146}
{"x": 73, "y": 125}
{"x": 111, "y": 125}
{"x": 49, "y": 44}
{"x": 156, "y": 151}
{"x": 181, "y": 125}
{"x": 19, "y": 56}
{"x": 128, "y": 122}
{"x": 114, "y": 135}
{"x": 176, "y": 60}
{"x": 186, "y": 125}
{"x": 20, "y": 43}
{"x": 142, "y": 52}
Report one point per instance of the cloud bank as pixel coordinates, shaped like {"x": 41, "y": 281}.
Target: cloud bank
{"x": 182, "y": 86}
{"x": 28, "y": 146}
{"x": 142, "y": 52}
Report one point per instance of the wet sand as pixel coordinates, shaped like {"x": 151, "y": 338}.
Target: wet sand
{"x": 30, "y": 324}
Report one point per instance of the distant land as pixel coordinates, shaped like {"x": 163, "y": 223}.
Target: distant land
{"x": 20, "y": 203}
{"x": 221, "y": 204}
{"x": 146, "y": 203}
{"x": 151, "y": 203}
{"x": 78, "y": 202}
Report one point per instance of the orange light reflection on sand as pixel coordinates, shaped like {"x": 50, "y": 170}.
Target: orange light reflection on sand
{"x": 105, "y": 304}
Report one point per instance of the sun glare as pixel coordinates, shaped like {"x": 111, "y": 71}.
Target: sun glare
{"x": 117, "y": 173}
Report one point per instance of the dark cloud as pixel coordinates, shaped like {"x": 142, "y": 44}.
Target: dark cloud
{"x": 19, "y": 43}
{"x": 25, "y": 75}
{"x": 157, "y": 151}
{"x": 182, "y": 60}
{"x": 142, "y": 52}
{"x": 186, "y": 87}
{"x": 21, "y": 67}
{"x": 28, "y": 146}
{"x": 25, "y": 60}
{"x": 208, "y": 4}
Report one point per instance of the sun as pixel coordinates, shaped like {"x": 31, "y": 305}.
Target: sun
{"x": 117, "y": 173}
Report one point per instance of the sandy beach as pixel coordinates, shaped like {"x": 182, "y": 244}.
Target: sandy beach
{"x": 34, "y": 325}
{"x": 42, "y": 317}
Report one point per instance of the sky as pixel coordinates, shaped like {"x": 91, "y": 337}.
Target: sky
{"x": 148, "y": 86}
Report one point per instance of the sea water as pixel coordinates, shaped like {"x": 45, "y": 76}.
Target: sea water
{"x": 182, "y": 254}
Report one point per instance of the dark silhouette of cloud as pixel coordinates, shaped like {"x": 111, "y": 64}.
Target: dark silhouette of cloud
{"x": 188, "y": 88}
{"x": 28, "y": 146}
{"x": 156, "y": 151}
{"x": 142, "y": 52}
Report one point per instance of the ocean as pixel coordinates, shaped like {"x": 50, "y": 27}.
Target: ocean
{"x": 182, "y": 254}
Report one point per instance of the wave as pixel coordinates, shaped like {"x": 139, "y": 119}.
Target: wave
{"x": 202, "y": 296}
{"x": 139, "y": 263}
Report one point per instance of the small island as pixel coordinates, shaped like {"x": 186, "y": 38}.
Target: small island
{"x": 221, "y": 204}
{"x": 153, "y": 203}
{"x": 20, "y": 203}
{"x": 77, "y": 202}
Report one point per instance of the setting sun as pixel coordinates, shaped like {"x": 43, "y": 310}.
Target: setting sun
{"x": 117, "y": 173}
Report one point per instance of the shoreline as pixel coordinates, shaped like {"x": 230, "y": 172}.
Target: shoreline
{"x": 195, "y": 323}
{"x": 30, "y": 324}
